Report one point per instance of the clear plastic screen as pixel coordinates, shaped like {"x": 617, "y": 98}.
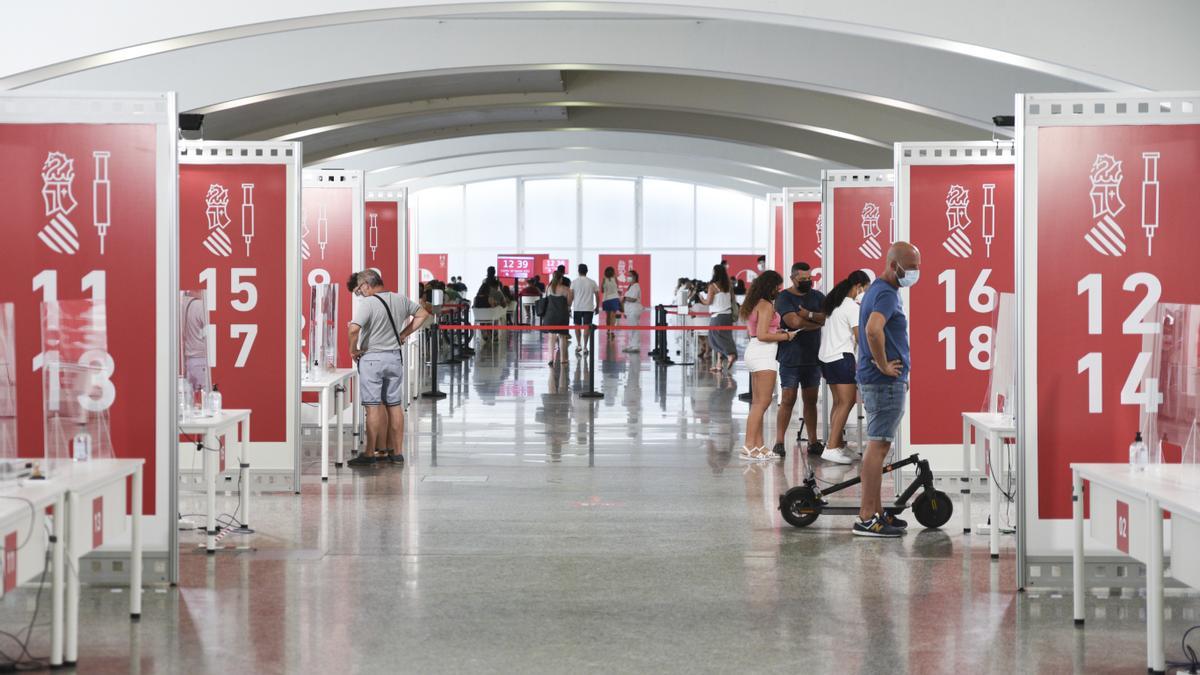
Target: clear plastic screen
{"x": 1173, "y": 370}
{"x": 77, "y": 389}
{"x": 322, "y": 327}
{"x": 1002, "y": 378}
{"x": 8, "y": 384}
{"x": 197, "y": 340}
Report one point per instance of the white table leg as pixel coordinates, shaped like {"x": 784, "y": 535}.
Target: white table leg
{"x": 72, "y": 577}
{"x": 965, "y": 489}
{"x": 135, "y": 553}
{"x": 244, "y": 469}
{"x": 339, "y": 404}
{"x": 993, "y": 495}
{"x": 56, "y": 583}
{"x": 1156, "y": 660}
{"x": 324, "y": 408}
{"x": 1077, "y": 548}
{"x": 211, "y": 448}
{"x": 352, "y": 394}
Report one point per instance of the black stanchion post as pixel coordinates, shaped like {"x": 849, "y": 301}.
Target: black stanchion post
{"x": 591, "y": 392}
{"x": 433, "y": 393}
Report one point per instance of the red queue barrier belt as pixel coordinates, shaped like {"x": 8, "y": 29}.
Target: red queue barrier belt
{"x": 455, "y": 326}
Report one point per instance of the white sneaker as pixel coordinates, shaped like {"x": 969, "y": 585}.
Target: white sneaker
{"x": 837, "y": 456}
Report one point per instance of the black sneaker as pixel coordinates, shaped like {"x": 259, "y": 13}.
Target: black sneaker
{"x": 396, "y": 458}
{"x": 891, "y": 519}
{"x": 362, "y": 461}
{"x": 875, "y": 527}
{"x": 816, "y": 448}
{"x": 779, "y": 450}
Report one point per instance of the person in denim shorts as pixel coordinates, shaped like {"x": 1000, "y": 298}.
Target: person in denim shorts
{"x": 883, "y": 367}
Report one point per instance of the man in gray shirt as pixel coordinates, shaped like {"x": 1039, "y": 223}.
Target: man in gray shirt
{"x": 378, "y": 330}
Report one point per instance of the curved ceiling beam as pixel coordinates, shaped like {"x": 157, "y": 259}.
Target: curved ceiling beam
{"x": 901, "y": 76}
{"x": 408, "y": 159}
{"x": 797, "y": 141}
{"x": 544, "y": 169}
{"x": 1031, "y": 34}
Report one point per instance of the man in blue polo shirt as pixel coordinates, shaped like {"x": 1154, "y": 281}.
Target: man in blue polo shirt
{"x": 800, "y": 308}
{"x": 883, "y": 365}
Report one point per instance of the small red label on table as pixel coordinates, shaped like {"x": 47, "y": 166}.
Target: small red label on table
{"x": 1122, "y": 527}
{"x": 10, "y": 561}
{"x": 97, "y": 522}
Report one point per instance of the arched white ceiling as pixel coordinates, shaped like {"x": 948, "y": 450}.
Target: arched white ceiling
{"x": 769, "y": 92}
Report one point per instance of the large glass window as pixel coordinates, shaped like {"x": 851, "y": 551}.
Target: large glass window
{"x": 440, "y": 219}
{"x": 761, "y": 229}
{"x": 723, "y": 218}
{"x": 550, "y": 213}
{"x": 491, "y": 215}
{"x": 668, "y": 214}
{"x": 608, "y": 212}
{"x": 666, "y": 269}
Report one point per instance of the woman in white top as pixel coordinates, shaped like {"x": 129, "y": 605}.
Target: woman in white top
{"x": 720, "y": 310}
{"x": 839, "y": 344}
{"x": 610, "y": 300}
{"x": 633, "y": 309}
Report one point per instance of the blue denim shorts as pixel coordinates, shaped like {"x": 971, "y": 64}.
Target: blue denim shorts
{"x": 884, "y": 404}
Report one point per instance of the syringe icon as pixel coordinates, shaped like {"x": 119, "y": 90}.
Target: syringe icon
{"x": 322, "y": 230}
{"x": 101, "y": 192}
{"x": 373, "y": 234}
{"x": 1150, "y": 199}
{"x": 989, "y": 216}
{"x": 247, "y": 214}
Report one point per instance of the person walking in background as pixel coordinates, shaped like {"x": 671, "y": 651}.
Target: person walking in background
{"x": 633, "y": 309}
{"x": 583, "y": 305}
{"x": 719, "y": 299}
{"x": 610, "y": 299}
{"x": 839, "y": 342}
{"x": 801, "y": 310}
{"x": 882, "y": 368}
{"x": 762, "y": 324}
{"x": 558, "y": 313}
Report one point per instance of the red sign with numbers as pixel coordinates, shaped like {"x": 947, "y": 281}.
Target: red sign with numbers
{"x": 327, "y": 249}
{"x": 1122, "y": 527}
{"x": 383, "y": 242}
{"x": 1116, "y": 234}
{"x": 806, "y": 239}
{"x": 97, "y": 522}
{"x": 863, "y": 229}
{"x": 10, "y": 561}
{"x": 433, "y": 266}
{"x": 80, "y": 218}
{"x": 961, "y": 217}
{"x": 232, "y": 245}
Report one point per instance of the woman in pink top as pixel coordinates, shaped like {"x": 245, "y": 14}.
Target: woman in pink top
{"x": 762, "y": 323}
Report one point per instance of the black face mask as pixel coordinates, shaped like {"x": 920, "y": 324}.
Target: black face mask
{"x": 805, "y": 286}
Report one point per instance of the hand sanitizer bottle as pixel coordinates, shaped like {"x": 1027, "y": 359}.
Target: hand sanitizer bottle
{"x": 214, "y": 401}
{"x": 1138, "y": 455}
{"x": 81, "y": 446}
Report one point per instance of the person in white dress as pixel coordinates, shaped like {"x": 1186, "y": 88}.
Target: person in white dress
{"x": 633, "y": 308}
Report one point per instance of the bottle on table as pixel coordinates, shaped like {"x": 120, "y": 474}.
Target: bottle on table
{"x": 1138, "y": 454}
{"x": 214, "y": 401}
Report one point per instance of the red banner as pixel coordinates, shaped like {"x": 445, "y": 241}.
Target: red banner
{"x": 81, "y": 218}
{"x": 777, "y": 236}
{"x": 863, "y": 229}
{"x": 622, "y": 264}
{"x": 806, "y": 239}
{"x": 383, "y": 242}
{"x": 327, "y": 247}
{"x": 961, "y": 217}
{"x": 550, "y": 265}
{"x": 433, "y": 266}
{"x": 232, "y": 245}
{"x": 1115, "y": 235}
{"x": 509, "y": 267}
{"x": 742, "y": 266}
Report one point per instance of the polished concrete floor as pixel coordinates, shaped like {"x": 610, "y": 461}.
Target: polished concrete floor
{"x": 513, "y": 542}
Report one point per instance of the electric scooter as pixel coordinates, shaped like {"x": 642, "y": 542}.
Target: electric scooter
{"x": 802, "y": 504}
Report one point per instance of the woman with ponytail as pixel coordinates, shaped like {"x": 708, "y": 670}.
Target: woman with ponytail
{"x": 839, "y": 344}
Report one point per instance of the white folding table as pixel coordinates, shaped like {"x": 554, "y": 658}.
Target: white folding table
{"x": 23, "y": 543}
{"x": 234, "y": 421}
{"x": 1126, "y": 509}
{"x": 333, "y": 384}
{"x": 992, "y": 429}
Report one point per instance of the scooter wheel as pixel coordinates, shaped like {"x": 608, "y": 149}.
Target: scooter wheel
{"x": 799, "y": 506}
{"x": 933, "y": 508}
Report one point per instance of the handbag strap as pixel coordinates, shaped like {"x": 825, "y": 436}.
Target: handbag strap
{"x": 391, "y": 320}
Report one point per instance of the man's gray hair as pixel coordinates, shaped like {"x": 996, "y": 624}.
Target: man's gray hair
{"x": 370, "y": 277}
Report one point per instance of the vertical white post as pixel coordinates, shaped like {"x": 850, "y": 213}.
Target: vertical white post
{"x": 72, "y": 576}
{"x": 211, "y": 448}
{"x": 1156, "y": 660}
{"x": 1077, "y": 551}
{"x": 324, "y": 412}
{"x": 339, "y": 405}
{"x": 135, "y": 552}
{"x": 965, "y": 490}
{"x": 993, "y": 442}
{"x": 244, "y": 469}
{"x": 56, "y": 583}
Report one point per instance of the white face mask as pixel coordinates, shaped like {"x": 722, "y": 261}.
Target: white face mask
{"x": 907, "y": 278}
